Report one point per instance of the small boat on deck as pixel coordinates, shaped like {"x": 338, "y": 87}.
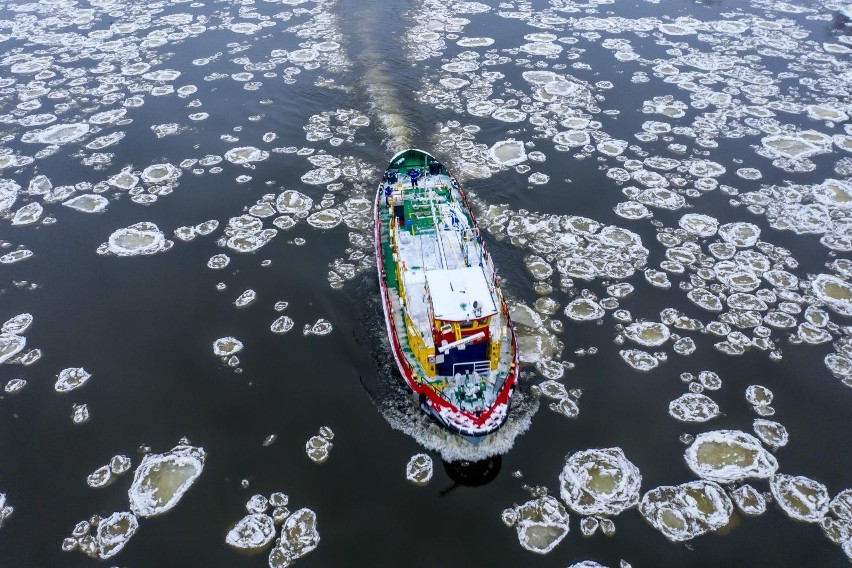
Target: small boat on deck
{"x": 447, "y": 322}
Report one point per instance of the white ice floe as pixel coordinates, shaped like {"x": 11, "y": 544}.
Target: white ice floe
{"x": 318, "y": 448}
{"x": 6, "y": 510}
{"x": 110, "y": 536}
{"x": 683, "y": 512}
{"x": 771, "y": 433}
{"x": 419, "y": 469}
{"x": 835, "y": 292}
{"x": 227, "y": 346}
{"x": 320, "y": 176}
{"x": 801, "y": 498}
{"x": 600, "y": 482}
{"x": 252, "y": 533}
{"x": 18, "y": 324}
{"x": 321, "y": 327}
{"x": 57, "y": 134}
{"x": 71, "y": 378}
{"x": 749, "y": 500}
{"x": 88, "y": 203}
{"x": 584, "y": 309}
{"x": 699, "y": 225}
{"x": 299, "y": 536}
{"x": 741, "y": 235}
{"x": 726, "y": 456}
{"x": 325, "y": 218}
{"x": 218, "y": 261}
{"x": 282, "y": 325}
{"x": 28, "y": 214}
{"x": 161, "y": 480}
{"x": 292, "y": 202}
{"x": 246, "y": 155}
{"x": 142, "y": 238}
{"x": 161, "y": 173}
{"x": 639, "y": 360}
{"x": 246, "y": 298}
{"x": 101, "y": 477}
{"x": 649, "y": 334}
{"x": 15, "y": 386}
{"x": 693, "y": 407}
{"x": 16, "y": 256}
{"x": 541, "y": 524}
{"x": 10, "y": 345}
{"x": 80, "y": 413}
{"x": 508, "y": 152}
{"x": 758, "y": 395}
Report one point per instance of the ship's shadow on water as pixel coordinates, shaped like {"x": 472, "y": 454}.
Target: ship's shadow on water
{"x": 397, "y": 404}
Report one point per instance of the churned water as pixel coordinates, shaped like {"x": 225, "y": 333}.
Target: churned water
{"x": 194, "y": 364}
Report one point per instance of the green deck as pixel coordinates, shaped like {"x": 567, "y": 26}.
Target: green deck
{"x": 387, "y": 252}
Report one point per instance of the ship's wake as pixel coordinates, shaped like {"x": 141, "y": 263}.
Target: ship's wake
{"x": 381, "y": 67}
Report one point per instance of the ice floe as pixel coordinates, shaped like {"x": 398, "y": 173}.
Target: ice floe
{"x": 299, "y": 536}
{"x": 71, "y": 378}
{"x": 161, "y": 480}
{"x": 800, "y": 497}
{"x": 103, "y": 538}
{"x": 749, "y": 500}
{"x": 252, "y": 533}
{"x": 319, "y": 447}
{"x": 726, "y": 456}
{"x": 227, "y": 346}
{"x": 693, "y": 407}
{"x": 6, "y": 509}
{"x": 419, "y": 469}
{"x": 541, "y": 524}
{"x": 142, "y": 238}
{"x": 88, "y": 203}
{"x": 683, "y": 512}
{"x": 600, "y": 482}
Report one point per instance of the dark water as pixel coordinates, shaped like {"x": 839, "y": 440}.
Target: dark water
{"x": 144, "y": 325}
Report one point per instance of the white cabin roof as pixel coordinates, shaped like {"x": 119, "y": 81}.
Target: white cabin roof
{"x": 453, "y": 293}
